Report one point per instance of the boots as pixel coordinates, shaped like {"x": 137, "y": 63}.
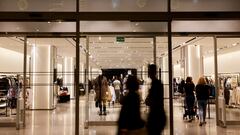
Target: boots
{"x": 101, "y": 111}
{"x": 104, "y": 110}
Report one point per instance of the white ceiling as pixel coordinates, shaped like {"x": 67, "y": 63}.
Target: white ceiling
{"x": 122, "y": 26}
{"x": 105, "y": 52}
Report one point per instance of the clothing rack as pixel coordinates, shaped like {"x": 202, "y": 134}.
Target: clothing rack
{"x": 9, "y": 92}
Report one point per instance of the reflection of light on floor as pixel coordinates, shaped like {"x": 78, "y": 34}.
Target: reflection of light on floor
{"x": 63, "y": 121}
{"x": 92, "y": 132}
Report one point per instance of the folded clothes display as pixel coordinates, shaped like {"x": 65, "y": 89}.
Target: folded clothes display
{"x": 63, "y": 95}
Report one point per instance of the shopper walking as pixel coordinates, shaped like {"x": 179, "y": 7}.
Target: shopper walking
{"x": 117, "y": 88}
{"x": 102, "y": 93}
{"x": 202, "y": 93}
{"x": 130, "y": 121}
{"x": 189, "y": 88}
{"x": 156, "y": 117}
{"x": 113, "y": 94}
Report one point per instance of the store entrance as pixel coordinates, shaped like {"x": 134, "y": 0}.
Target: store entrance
{"x": 116, "y": 59}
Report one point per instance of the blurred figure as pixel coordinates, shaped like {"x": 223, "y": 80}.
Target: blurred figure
{"x": 175, "y": 88}
{"x": 156, "y": 117}
{"x": 202, "y": 93}
{"x": 113, "y": 95}
{"x": 130, "y": 121}
{"x": 117, "y": 88}
{"x": 181, "y": 86}
{"x": 189, "y": 88}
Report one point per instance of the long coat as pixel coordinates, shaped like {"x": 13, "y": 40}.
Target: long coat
{"x": 101, "y": 88}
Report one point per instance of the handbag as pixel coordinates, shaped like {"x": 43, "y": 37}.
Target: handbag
{"x": 109, "y": 95}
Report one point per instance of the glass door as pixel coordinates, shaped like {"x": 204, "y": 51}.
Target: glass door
{"x": 116, "y": 57}
{"x": 228, "y": 80}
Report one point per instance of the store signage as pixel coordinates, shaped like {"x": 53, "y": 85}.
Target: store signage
{"x": 120, "y": 39}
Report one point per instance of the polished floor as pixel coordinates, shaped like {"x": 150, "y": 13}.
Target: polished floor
{"x": 61, "y": 122}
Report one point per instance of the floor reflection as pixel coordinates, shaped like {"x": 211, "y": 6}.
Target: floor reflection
{"x": 61, "y": 121}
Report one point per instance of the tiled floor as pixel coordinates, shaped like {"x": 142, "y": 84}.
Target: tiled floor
{"x": 61, "y": 122}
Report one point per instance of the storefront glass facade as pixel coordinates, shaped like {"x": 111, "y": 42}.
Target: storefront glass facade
{"x": 73, "y": 27}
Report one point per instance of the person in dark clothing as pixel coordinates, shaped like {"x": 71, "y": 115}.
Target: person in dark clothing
{"x": 202, "y": 93}
{"x": 189, "y": 88}
{"x": 175, "y": 88}
{"x": 156, "y": 118}
{"x": 181, "y": 86}
{"x": 130, "y": 121}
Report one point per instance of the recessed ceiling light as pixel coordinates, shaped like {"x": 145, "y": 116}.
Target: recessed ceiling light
{"x": 48, "y": 22}
{"x": 100, "y": 38}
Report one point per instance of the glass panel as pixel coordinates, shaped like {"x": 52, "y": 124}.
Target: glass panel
{"x": 11, "y": 78}
{"x": 36, "y": 5}
{"x": 116, "y": 57}
{"x": 228, "y": 53}
{"x": 52, "y": 63}
{"x": 38, "y": 26}
{"x": 206, "y": 26}
{"x": 205, "y": 5}
{"x": 163, "y": 73}
{"x": 123, "y": 5}
{"x": 192, "y": 56}
{"x": 122, "y": 26}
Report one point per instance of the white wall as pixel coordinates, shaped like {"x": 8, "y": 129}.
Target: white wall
{"x": 208, "y": 65}
{"x": 227, "y": 63}
{"x": 11, "y": 61}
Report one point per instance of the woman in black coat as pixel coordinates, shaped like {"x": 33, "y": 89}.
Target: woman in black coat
{"x": 189, "y": 88}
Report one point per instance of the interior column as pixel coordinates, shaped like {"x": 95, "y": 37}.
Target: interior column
{"x": 42, "y": 63}
{"x": 68, "y": 74}
{"x": 193, "y": 62}
{"x": 164, "y": 68}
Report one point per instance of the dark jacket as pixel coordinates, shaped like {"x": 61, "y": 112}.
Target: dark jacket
{"x": 202, "y": 92}
{"x": 189, "y": 88}
{"x": 130, "y": 117}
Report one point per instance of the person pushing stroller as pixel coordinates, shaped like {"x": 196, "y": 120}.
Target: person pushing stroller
{"x": 189, "y": 88}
